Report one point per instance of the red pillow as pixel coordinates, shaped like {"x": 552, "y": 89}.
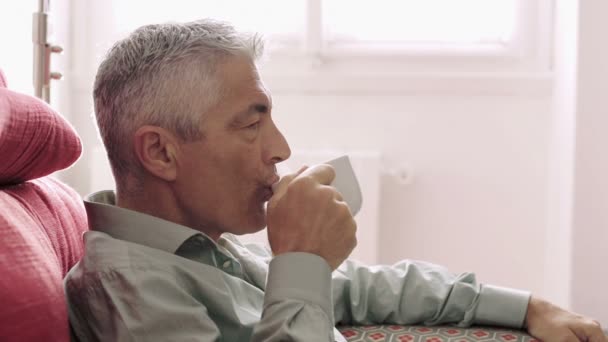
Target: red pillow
{"x": 41, "y": 219}
{"x": 41, "y": 227}
{"x": 35, "y": 141}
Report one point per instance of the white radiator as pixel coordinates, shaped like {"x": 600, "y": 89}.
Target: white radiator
{"x": 367, "y": 166}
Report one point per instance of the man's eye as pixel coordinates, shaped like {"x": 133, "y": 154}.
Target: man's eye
{"x": 253, "y": 125}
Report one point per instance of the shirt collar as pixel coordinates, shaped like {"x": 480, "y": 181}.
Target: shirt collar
{"x": 129, "y": 225}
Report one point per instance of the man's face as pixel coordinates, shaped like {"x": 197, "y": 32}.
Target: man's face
{"x": 224, "y": 179}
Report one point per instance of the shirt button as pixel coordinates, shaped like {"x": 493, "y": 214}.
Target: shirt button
{"x": 226, "y": 264}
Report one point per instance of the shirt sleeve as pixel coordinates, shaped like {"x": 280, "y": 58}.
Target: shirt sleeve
{"x": 298, "y": 300}
{"x": 414, "y": 292}
{"x": 135, "y": 305}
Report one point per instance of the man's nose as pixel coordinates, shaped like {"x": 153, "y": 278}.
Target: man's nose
{"x": 278, "y": 149}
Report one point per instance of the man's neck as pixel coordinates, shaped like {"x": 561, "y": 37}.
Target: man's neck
{"x": 160, "y": 202}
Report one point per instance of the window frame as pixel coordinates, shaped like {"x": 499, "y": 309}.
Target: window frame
{"x": 521, "y": 66}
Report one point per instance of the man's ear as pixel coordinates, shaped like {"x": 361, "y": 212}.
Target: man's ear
{"x": 156, "y": 149}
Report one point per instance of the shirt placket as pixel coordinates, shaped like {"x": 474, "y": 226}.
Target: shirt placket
{"x": 200, "y": 249}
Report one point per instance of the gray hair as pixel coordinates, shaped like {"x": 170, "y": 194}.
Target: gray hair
{"x": 162, "y": 75}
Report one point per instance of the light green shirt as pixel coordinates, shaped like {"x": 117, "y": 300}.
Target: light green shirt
{"x": 146, "y": 279}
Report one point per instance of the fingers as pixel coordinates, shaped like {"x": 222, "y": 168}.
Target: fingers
{"x": 591, "y": 332}
{"x": 570, "y": 337}
{"x": 548, "y": 322}
{"x": 280, "y": 187}
{"x": 302, "y": 169}
{"x": 324, "y": 174}
{"x": 336, "y": 194}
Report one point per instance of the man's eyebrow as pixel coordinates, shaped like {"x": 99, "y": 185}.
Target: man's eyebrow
{"x": 263, "y": 106}
{"x": 259, "y": 108}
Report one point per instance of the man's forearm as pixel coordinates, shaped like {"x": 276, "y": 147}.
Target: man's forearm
{"x": 412, "y": 292}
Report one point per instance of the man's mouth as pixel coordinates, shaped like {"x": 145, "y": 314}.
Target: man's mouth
{"x": 265, "y": 191}
{"x": 274, "y": 179}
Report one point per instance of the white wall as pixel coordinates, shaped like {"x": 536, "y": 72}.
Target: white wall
{"x": 590, "y": 214}
{"x": 561, "y": 165}
{"x": 578, "y": 217}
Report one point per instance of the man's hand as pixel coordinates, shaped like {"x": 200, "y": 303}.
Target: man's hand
{"x": 550, "y": 323}
{"x": 305, "y": 214}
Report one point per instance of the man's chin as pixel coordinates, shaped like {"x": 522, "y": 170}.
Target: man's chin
{"x": 254, "y": 226}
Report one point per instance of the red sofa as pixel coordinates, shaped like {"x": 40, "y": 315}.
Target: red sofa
{"x": 41, "y": 219}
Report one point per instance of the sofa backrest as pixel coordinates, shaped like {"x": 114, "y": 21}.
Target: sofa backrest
{"x": 41, "y": 219}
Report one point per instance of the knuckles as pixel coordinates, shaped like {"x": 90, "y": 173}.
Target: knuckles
{"x": 309, "y": 188}
{"x": 329, "y": 170}
{"x": 327, "y": 195}
{"x": 301, "y": 184}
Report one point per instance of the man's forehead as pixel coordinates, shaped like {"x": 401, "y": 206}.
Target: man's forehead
{"x": 256, "y": 100}
{"x": 244, "y": 91}
{"x": 252, "y": 91}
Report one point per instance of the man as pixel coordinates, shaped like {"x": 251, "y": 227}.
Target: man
{"x": 186, "y": 121}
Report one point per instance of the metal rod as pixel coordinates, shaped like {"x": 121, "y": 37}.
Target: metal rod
{"x": 43, "y": 6}
{"x": 42, "y": 51}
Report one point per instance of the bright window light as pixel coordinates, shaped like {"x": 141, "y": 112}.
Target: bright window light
{"x": 419, "y": 21}
{"x": 16, "y": 59}
{"x": 343, "y": 21}
{"x": 276, "y": 18}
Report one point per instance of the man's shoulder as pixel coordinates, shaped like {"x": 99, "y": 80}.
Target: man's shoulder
{"x": 106, "y": 256}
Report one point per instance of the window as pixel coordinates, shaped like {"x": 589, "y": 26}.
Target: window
{"x": 415, "y": 21}
{"x": 282, "y": 21}
{"x": 16, "y": 59}
{"x": 327, "y": 45}
{"x": 342, "y": 21}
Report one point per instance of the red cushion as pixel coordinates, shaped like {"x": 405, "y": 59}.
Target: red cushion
{"x": 41, "y": 224}
{"x": 41, "y": 220}
{"x": 34, "y": 140}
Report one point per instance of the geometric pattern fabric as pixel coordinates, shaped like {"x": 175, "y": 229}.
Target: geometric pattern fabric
{"x": 398, "y": 333}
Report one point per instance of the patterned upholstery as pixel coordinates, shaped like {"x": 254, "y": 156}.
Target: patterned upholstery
{"x": 396, "y": 333}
